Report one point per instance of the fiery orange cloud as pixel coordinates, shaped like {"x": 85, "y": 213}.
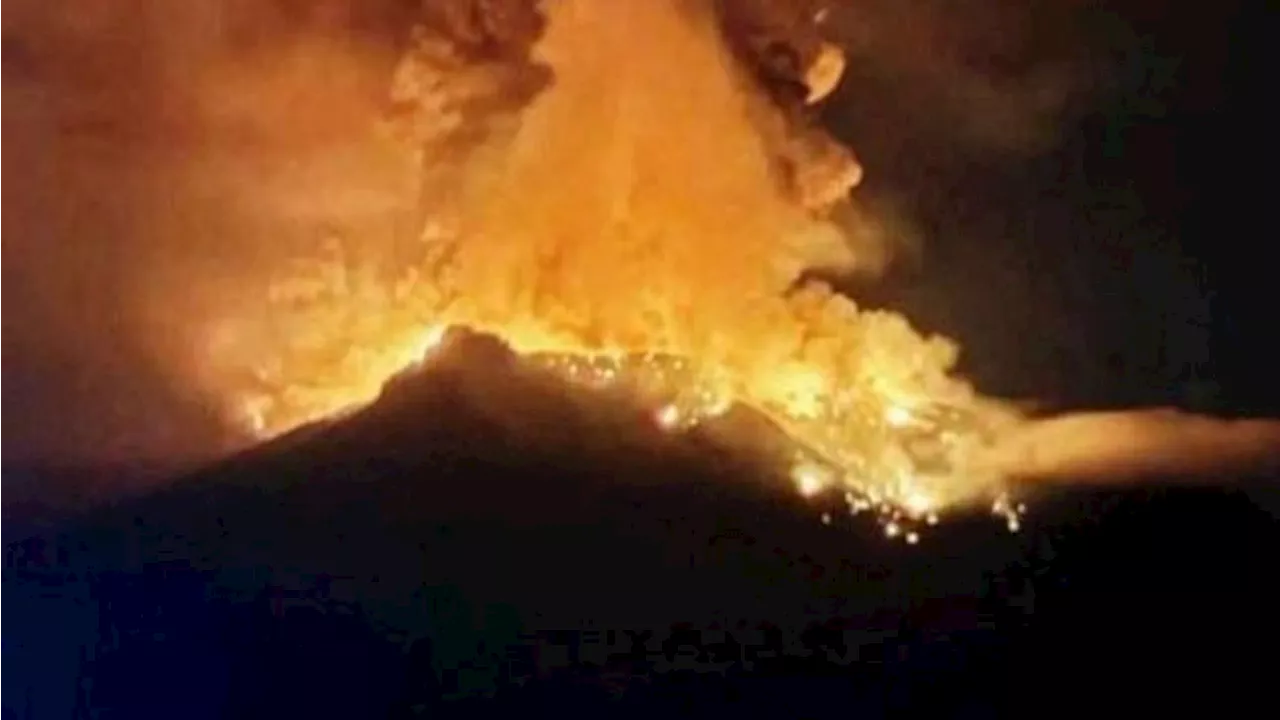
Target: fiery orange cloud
{"x": 644, "y": 217}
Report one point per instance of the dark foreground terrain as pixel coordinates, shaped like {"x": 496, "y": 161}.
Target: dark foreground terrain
{"x": 482, "y": 541}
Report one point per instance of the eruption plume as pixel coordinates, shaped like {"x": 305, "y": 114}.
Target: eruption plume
{"x": 624, "y": 196}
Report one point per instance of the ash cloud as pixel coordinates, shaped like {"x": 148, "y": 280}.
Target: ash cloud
{"x": 166, "y": 159}
{"x": 471, "y": 68}
{"x": 159, "y": 157}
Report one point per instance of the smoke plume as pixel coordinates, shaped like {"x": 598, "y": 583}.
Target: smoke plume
{"x": 624, "y": 208}
{"x": 1135, "y": 446}
{"x": 163, "y": 159}
{"x": 263, "y": 208}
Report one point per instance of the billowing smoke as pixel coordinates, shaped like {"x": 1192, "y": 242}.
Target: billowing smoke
{"x": 472, "y": 68}
{"x": 267, "y": 207}
{"x": 167, "y": 160}
{"x": 162, "y": 160}
{"x": 578, "y": 185}
{"x": 630, "y": 189}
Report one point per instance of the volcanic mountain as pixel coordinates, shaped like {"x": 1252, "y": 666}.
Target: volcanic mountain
{"x": 485, "y": 530}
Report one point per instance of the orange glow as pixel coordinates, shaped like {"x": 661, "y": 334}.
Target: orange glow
{"x": 632, "y": 225}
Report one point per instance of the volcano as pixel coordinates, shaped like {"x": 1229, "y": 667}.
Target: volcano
{"x": 486, "y": 533}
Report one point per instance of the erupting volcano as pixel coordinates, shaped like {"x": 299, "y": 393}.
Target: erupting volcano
{"x": 645, "y": 219}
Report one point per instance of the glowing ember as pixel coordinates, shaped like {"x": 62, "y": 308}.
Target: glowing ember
{"x": 810, "y": 480}
{"x": 668, "y": 417}
{"x": 631, "y": 231}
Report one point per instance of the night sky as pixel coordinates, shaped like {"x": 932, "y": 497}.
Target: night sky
{"x": 1112, "y": 265}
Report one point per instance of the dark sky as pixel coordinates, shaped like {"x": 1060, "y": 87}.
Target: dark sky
{"x": 1081, "y": 179}
{"x": 1112, "y": 263}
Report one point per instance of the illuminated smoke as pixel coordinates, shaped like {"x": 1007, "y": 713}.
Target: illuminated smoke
{"x": 623, "y": 197}
{"x": 1135, "y": 445}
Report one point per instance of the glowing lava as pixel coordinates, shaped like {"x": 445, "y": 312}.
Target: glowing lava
{"x": 632, "y": 228}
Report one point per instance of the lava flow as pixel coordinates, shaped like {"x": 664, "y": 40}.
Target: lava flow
{"x": 618, "y": 197}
